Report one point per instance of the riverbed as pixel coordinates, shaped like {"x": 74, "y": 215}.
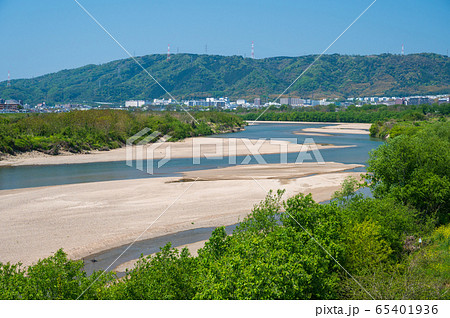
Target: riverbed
{"x": 93, "y": 208}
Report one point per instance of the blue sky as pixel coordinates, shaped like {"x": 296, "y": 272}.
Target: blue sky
{"x": 44, "y": 36}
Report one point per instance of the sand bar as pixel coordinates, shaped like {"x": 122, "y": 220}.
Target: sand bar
{"x": 188, "y": 148}
{"x": 91, "y": 217}
{"x": 268, "y": 171}
{"x": 291, "y": 122}
{"x": 353, "y": 128}
{"x": 311, "y": 134}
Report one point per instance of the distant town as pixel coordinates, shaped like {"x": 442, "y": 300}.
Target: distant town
{"x": 211, "y": 103}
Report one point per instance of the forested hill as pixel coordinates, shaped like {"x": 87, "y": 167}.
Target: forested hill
{"x": 197, "y": 76}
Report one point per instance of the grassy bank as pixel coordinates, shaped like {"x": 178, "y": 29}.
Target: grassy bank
{"x": 80, "y": 131}
{"x": 392, "y": 128}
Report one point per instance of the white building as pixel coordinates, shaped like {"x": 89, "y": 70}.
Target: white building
{"x": 163, "y": 102}
{"x": 285, "y": 101}
{"x": 296, "y": 101}
{"x": 324, "y": 102}
{"x": 134, "y": 103}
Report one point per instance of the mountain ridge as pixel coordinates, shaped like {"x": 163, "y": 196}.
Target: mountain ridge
{"x": 198, "y": 76}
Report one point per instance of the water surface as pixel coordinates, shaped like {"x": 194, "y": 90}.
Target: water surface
{"x": 51, "y": 175}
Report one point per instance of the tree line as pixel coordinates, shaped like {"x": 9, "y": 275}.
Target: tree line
{"x": 80, "y": 131}
{"x": 350, "y": 114}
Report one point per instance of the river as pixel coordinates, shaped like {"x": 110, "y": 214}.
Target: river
{"x": 53, "y": 175}
{"x": 50, "y": 175}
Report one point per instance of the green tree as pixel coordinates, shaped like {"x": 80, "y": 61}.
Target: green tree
{"x": 55, "y": 277}
{"x": 415, "y": 169}
{"x": 169, "y": 274}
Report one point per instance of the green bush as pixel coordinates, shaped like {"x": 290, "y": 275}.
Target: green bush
{"x": 167, "y": 275}
{"x": 55, "y": 277}
{"x": 79, "y": 131}
{"x": 415, "y": 169}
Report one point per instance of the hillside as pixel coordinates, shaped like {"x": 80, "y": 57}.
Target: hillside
{"x": 190, "y": 75}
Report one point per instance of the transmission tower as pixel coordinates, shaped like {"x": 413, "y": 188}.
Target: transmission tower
{"x": 253, "y": 50}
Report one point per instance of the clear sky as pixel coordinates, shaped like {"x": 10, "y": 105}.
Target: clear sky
{"x": 39, "y": 37}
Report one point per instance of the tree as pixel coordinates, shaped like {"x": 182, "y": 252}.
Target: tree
{"x": 169, "y": 274}
{"x": 55, "y": 277}
{"x": 415, "y": 170}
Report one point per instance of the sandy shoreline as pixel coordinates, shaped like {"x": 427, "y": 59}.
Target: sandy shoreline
{"x": 293, "y": 122}
{"x": 188, "y": 148}
{"x": 353, "y": 128}
{"x": 91, "y": 217}
{"x": 336, "y": 128}
{"x": 280, "y": 172}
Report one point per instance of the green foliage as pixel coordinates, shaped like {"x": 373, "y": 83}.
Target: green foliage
{"x": 436, "y": 259}
{"x": 366, "y": 246}
{"x": 278, "y": 265}
{"x": 166, "y": 275}
{"x": 310, "y": 219}
{"x": 415, "y": 169}
{"x": 55, "y": 277}
{"x": 264, "y": 216}
{"x": 394, "y": 128}
{"x": 424, "y": 274}
{"x": 80, "y": 131}
{"x": 191, "y": 75}
{"x": 382, "y": 116}
{"x": 359, "y": 233}
{"x": 264, "y": 260}
{"x": 348, "y": 190}
{"x": 396, "y": 221}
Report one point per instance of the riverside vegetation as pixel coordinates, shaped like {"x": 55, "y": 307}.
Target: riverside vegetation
{"x": 404, "y": 126}
{"x": 350, "y": 114}
{"x": 272, "y": 255}
{"x": 80, "y": 131}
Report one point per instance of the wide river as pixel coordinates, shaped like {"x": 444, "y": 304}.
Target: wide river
{"x": 50, "y": 175}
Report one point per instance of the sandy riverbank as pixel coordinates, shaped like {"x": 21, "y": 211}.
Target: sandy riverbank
{"x": 91, "y": 217}
{"x": 188, "y": 148}
{"x": 291, "y": 122}
{"x": 353, "y": 128}
{"x": 336, "y": 128}
{"x": 281, "y": 172}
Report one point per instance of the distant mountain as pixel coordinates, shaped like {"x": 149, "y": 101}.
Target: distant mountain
{"x": 197, "y": 76}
